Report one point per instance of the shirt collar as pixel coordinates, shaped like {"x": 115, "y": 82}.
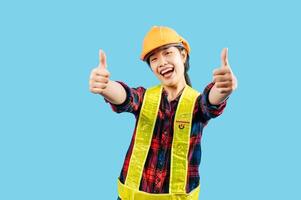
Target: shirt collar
{"x": 165, "y": 96}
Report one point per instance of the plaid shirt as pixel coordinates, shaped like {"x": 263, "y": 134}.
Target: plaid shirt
{"x": 155, "y": 177}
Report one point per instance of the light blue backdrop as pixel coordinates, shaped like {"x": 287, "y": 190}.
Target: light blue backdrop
{"x": 59, "y": 141}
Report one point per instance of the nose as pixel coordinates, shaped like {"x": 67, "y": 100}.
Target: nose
{"x": 161, "y": 61}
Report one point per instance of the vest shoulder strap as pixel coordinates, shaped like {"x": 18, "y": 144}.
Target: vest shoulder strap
{"x": 144, "y": 132}
{"x": 181, "y": 140}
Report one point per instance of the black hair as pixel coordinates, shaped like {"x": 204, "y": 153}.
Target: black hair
{"x": 186, "y": 65}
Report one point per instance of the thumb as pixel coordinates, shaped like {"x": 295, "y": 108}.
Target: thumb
{"x": 102, "y": 59}
{"x": 224, "y": 57}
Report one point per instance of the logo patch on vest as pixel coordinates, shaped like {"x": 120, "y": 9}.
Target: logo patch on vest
{"x": 182, "y": 124}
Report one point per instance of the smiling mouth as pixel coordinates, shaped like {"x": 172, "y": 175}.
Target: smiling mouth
{"x": 167, "y": 72}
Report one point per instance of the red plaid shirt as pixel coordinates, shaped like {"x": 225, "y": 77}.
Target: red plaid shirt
{"x": 155, "y": 177}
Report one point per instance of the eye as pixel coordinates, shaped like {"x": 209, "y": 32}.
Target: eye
{"x": 153, "y": 59}
{"x": 168, "y": 52}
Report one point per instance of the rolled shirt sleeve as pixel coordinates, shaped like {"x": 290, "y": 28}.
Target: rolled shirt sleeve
{"x": 133, "y": 101}
{"x": 206, "y": 109}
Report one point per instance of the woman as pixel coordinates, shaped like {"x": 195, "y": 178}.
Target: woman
{"x": 164, "y": 154}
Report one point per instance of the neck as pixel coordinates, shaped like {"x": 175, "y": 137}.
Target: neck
{"x": 174, "y": 91}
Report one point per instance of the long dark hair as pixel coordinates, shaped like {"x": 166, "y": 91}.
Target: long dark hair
{"x": 186, "y": 65}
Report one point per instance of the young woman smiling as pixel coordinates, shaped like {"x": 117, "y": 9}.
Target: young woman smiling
{"x": 163, "y": 158}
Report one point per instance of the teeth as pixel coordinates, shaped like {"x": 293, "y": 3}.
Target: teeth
{"x": 166, "y": 70}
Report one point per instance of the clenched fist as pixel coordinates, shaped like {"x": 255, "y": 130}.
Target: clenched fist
{"x": 223, "y": 77}
{"x": 99, "y": 77}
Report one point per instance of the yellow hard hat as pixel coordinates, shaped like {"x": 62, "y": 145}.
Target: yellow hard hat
{"x": 159, "y": 36}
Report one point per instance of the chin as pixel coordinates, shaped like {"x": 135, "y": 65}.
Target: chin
{"x": 169, "y": 83}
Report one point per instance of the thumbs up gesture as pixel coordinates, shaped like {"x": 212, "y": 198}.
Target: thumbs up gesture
{"x": 99, "y": 77}
{"x": 224, "y": 80}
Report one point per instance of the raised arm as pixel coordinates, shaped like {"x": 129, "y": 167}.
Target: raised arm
{"x": 100, "y": 82}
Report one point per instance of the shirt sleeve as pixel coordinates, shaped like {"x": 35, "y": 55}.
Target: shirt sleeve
{"x": 205, "y": 109}
{"x": 133, "y": 101}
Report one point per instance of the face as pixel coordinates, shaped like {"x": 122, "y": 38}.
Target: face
{"x": 168, "y": 65}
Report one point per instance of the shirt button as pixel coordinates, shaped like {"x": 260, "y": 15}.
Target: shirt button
{"x": 158, "y": 180}
{"x": 160, "y": 164}
{"x": 156, "y": 190}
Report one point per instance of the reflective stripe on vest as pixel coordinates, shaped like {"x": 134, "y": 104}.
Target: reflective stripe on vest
{"x": 179, "y": 150}
{"x": 126, "y": 193}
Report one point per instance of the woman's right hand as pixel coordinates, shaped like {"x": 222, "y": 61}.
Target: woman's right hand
{"x": 99, "y": 77}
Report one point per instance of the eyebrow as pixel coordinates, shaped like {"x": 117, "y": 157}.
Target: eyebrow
{"x": 165, "y": 48}
{"x": 161, "y": 49}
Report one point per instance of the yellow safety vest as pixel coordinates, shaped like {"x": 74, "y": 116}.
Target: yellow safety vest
{"x": 179, "y": 150}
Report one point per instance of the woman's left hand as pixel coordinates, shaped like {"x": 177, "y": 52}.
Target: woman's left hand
{"x": 224, "y": 80}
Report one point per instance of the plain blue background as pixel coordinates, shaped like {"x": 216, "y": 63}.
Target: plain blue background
{"x": 59, "y": 141}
